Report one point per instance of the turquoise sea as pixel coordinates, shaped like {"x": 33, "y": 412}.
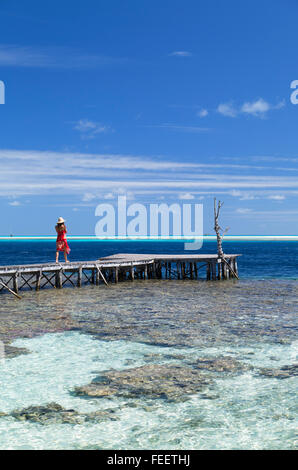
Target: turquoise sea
{"x": 152, "y": 364}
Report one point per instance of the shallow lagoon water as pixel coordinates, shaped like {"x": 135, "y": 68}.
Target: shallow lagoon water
{"x": 244, "y": 411}
{"x": 74, "y": 336}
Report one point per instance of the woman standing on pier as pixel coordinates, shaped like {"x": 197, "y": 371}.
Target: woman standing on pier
{"x": 61, "y": 243}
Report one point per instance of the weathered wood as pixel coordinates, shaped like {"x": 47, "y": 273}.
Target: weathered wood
{"x": 10, "y": 290}
{"x": 96, "y": 276}
{"x": 68, "y": 278}
{"x": 27, "y": 281}
{"x": 208, "y": 271}
{"x": 38, "y": 278}
{"x": 224, "y": 270}
{"x": 58, "y": 279}
{"x": 103, "y": 278}
{"x": 118, "y": 267}
{"x": 219, "y": 273}
{"x": 15, "y": 283}
{"x": 178, "y": 269}
{"x": 217, "y": 228}
{"x": 230, "y": 269}
{"x": 132, "y": 273}
{"x": 79, "y": 281}
{"x": 196, "y": 270}
{"x": 122, "y": 274}
{"x": 236, "y": 266}
{"x": 48, "y": 279}
{"x": 213, "y": 270}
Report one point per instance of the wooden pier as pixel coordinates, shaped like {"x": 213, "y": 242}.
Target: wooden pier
{"x": 116, "y": 268}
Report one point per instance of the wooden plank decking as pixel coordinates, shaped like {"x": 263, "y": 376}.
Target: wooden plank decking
{"x": 115, "y": 268}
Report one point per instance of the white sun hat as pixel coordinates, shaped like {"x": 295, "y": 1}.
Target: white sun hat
{"x": 60, "y": 220}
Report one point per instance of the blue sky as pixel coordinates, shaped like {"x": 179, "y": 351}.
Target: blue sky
{"x": 164, "y": 101}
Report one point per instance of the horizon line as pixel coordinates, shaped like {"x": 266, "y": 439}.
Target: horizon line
{"x": 155, "y": 238}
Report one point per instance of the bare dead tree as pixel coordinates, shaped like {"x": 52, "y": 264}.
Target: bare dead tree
{"x": 220, "y": 234}
{"x": 218, "y": 230}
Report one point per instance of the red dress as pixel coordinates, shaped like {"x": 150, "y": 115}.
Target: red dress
{"x": 61, "y": 243}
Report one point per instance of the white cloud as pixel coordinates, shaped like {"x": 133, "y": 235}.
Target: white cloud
{"x": 88, "y": 197}
{"x": 272, "y": 216}
{"x": 14, "y": 203}
{"x": 202, "y": 113}
{"x": 257, "y": 108}
{"x": 243, "y": 196}
{"x": 277, "y": 197}
{"x": 227, "y": 109}
{"x": 181, "y": 54}
{"x": 186, "y": 196}
{"x": 174, "y": 127}
{"x": 89, "y": 176}
{"x": 12, "y": 55}
{"x": 243, "y": 210}
{"x": 109, "y": 196}
{"x": 90, "y": 129}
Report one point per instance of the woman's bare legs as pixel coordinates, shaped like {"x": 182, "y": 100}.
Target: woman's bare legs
{"x": 65, "y": 257}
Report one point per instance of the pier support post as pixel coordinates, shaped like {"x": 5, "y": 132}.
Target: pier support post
{"x": 219, "y": 269}
{"x": 15, "y": 282}
{"x": 97, "y": 276}
{"x": 153, "y": 271}
{"x": 208, "y": 271}
{"x": 183, "y": 270}
{"x": 236, "y": 266}
{"x": 224, "y": 270}
{"x": 229, "y": 272}
{"x": 58, "y": 279}
{"x": 79, "y": 277}
{"x": 38, "y": 278}
{"x": 213, "y": 270}
{"x": 159, "y": 270}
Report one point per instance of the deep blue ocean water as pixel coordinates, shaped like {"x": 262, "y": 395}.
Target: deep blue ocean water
{"x": 260, "y": 259}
